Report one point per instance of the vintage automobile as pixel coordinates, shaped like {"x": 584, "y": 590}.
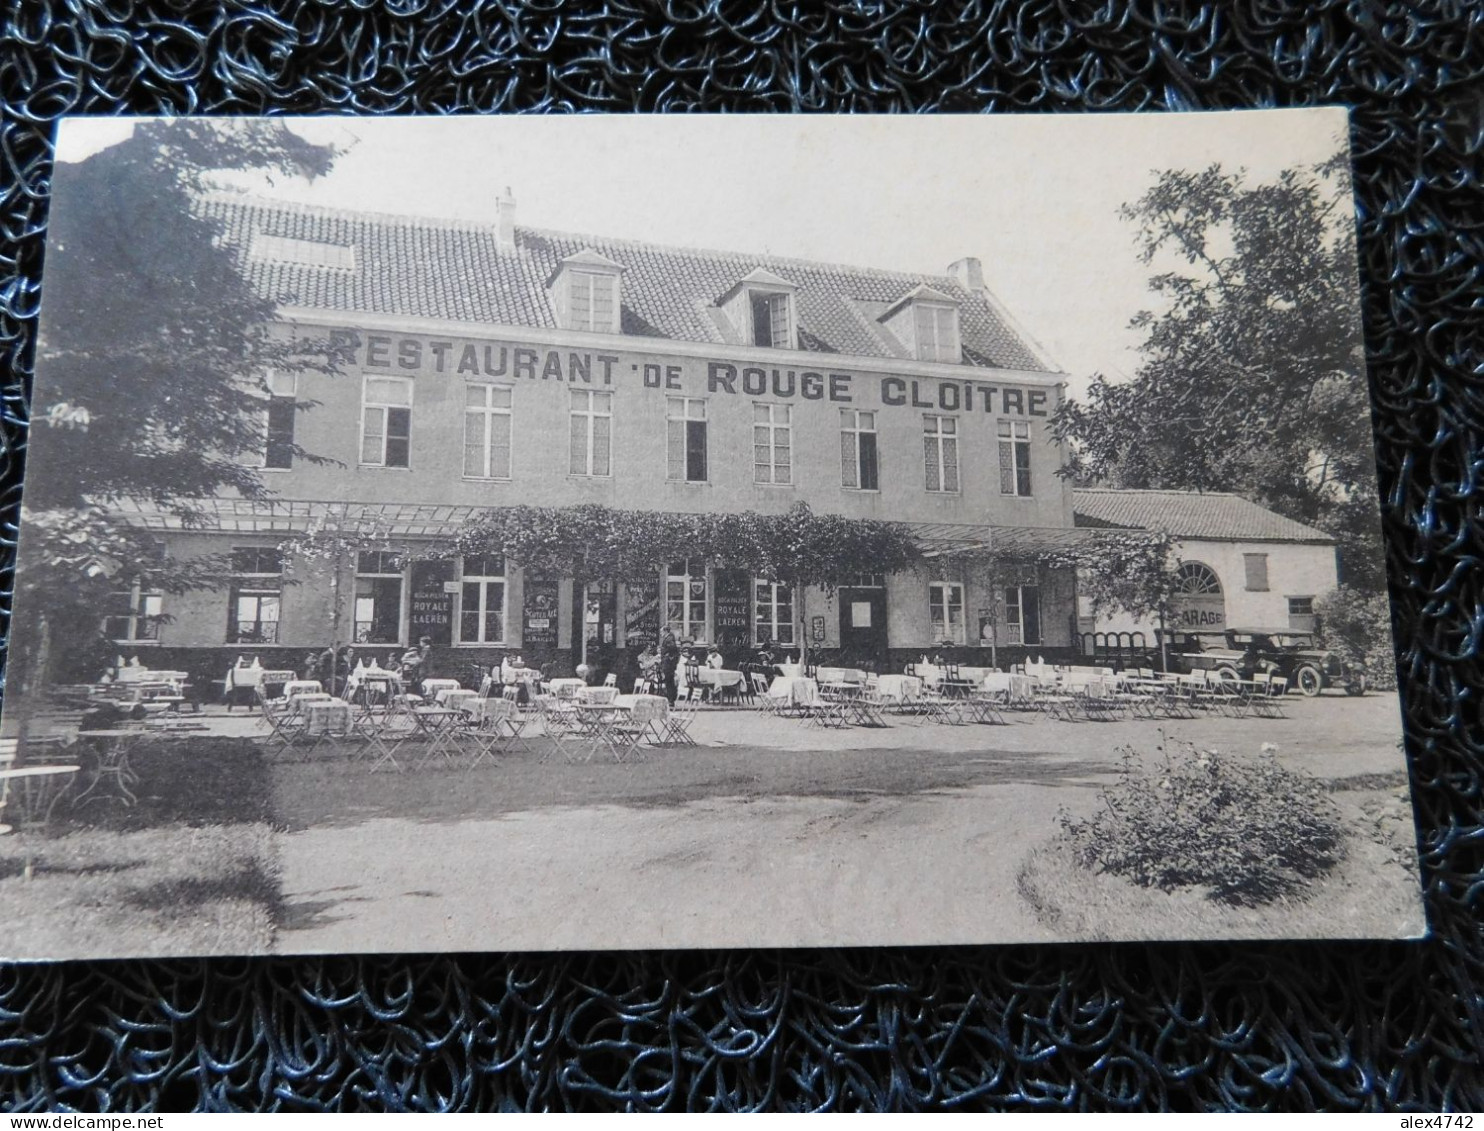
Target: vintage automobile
{"x": 1241, "y": 653}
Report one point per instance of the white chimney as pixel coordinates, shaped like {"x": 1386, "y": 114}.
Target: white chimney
{"x": 505, "y": 221}
{"x": 969, "y": 273}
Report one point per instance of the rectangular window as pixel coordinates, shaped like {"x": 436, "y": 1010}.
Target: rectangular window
{"x": 772, "y": 612}
{"x": 1023, "y": 615}
{"x": 378, "y": 600}
{"x": 863, "y": 581}
{"x": 946, "y": 611}
{"x": 1256, "y": 566}
{"x": 1301, "y": 614}
{"x": 134, "y": 616}
{"x": 487, "y": 431}
{"x": 1015, "y": 458}
{"x": 940, "y": 451}
{"x": 482, "y": 600}
{"x": 937, "y": 332}
{"x": 686, "y": 443}
{"x": 386, "y": 422}
{"x": 772, "y": 444}
{"x": 591, "y": 449}
{"x": 770, "y": 320}
{"x": 254, "y": 597}
{"x": 283, "y": 394}
{"x": 687, "y": 599}
{"x": 858, "y": 465}
{"x": 592, "y": 301}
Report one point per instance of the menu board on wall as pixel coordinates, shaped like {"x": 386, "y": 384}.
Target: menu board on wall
{"x": 540, "y": 623}
{"x": 432, "y": 604}
{"x": 641, "y": 613}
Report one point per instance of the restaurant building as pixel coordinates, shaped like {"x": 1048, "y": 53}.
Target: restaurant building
{"x": 495, "y": 365}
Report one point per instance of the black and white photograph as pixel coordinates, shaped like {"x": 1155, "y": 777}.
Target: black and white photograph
{"x": 558, "y": 533}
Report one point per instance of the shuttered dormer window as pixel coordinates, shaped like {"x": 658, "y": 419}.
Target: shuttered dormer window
{"x": 586, "y": 291}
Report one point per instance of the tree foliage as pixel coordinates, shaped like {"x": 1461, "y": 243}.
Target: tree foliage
{"x": 150, "y": 363}
{"x": 1136, "y": 572}
{"x": 590, "y": 541}
{"x": 1252, "y": 376}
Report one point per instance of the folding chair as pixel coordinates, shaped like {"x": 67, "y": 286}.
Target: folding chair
{"x": 678, "y": 719}
{"x": 285, "y": 727}
{"x": 1267, "y": 697}
{"x": 559, "y": 722}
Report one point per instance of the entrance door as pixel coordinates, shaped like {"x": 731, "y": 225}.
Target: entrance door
{"x": 599, "y": 623}
{"x": 863, "y": 623}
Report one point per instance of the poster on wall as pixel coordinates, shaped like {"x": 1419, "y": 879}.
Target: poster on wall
{"x": 431, "y": 612}
{"x": 539, "y": 628}
{"x": 730, "y": 613}
{"x": 641, "y": 616}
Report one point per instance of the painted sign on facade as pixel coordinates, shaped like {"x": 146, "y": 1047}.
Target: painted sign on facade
{"x": 539, "y": 625}
{"x": 431, "y": 613}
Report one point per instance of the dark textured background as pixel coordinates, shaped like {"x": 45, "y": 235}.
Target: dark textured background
{"x": 1273, "y": 1026}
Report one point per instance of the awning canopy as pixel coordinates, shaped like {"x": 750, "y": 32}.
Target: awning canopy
{"x": 437, "y": 521}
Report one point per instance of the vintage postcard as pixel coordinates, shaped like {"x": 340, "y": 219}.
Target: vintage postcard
{"x": 550, "y": 533}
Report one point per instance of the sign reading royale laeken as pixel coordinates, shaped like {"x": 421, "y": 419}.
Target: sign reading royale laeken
{"x": 458, "y": 358}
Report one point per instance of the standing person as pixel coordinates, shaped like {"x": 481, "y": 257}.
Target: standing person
{"x": 669, "y": 661}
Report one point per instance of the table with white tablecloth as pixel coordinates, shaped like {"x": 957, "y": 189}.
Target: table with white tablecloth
{"x": 793, "y": 689}
{"x": 713, "y": 679}
{"x": 899, "y": 688}
{"x": 456, "y": 697}
{"x": 565, "y": 687}
{"x": 326, "y": 716}
{"x": 1015, "y": 688}
{"x": 842, "y": 675}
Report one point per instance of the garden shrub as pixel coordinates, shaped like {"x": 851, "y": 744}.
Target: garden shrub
{"x": 1247, "y": 829}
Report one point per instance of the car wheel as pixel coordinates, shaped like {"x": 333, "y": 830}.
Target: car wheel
{"x": 1309, "y": 681}
{"x": 1227, "y": 675}
{"x": 1356, "y": 686}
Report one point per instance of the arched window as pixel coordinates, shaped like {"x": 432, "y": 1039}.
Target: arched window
{"x": 1198, "y": 580}
{"x": 1199, "y": 605}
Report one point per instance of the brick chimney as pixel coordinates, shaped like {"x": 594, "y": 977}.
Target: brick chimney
{"x": 505, "y": 221}
{"x": 969, "y": 273}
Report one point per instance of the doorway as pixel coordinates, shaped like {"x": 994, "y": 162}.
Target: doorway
{"x": 863, "y": 622}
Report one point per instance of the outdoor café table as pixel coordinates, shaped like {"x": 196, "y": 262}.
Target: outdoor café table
{"x": 301, "y": 686}
{"x": 716, "y": 679}
{"x": 597, "y": 721}
{"x": 439, "y": 727}
{"x": 431, "y": 687}
{"x": 113, "y": 778}
{"x": 794, "y": 689}
{"x": 326, "y": 716}
{"x": 457, "y": 698}
{"x": 842, "y": 675}
{"x": 31, "y": 792}
{"x": 496, "y": 719}
{"x": 557, "y": 686}
{"x": 899, "y": 688}
{"x": 1014, "y": 688}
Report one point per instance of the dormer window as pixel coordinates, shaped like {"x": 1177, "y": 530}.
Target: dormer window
{"x": 760, "y": 308}
{"x": 925, "y": 321}
{"x": 586, "y": 291}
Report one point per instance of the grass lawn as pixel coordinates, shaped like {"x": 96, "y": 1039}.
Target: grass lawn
{"x": 175, "y": 891}
{"x": 190, "y": 869}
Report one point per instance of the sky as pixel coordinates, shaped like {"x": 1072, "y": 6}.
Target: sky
{"x": 1034, "y": 197}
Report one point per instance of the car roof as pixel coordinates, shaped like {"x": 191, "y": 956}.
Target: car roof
{"x": 1273, "y": 631}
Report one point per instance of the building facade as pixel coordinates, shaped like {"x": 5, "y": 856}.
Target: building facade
{"x": 1241, "y": 565}
{"x": 492, "y": 366}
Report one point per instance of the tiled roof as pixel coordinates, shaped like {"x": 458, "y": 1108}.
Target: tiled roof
{"x": 455, "y": 270}
{"x": 1213, "y": 516}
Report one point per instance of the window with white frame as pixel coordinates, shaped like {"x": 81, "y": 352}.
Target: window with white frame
{"x": 386, "y": 422}
{"x": 685, "y": 439}
{"x": 946, "y": 611}
{"x": 1015, "y": 457}
{"x": 134, "y": 615}
{"x": 772, "y": 318}
{"x": 1301, "y": 615}
{"x": 487, "y": 431}
{"x": 858, "y": 461}
{"x": 772, "y": 612}
{"x": 687, "y": 599}
{"x": 936, "y": 328}
{"x": 1023, "y": 614}
{"x": 255, "y": 596}
{"x": 940, "y": 452}
{"x": 772, "y": 443}
{"x": 378, "y": 600}
{"x": 591, "y": 449}
{"x": 592, "y": 301}
{"x": 482, "y": 599}
{"x": 283, "y": 399}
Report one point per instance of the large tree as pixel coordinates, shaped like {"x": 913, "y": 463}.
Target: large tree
{"x": 150, "y": 370}
{"x": 1252, "y": 376}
